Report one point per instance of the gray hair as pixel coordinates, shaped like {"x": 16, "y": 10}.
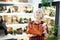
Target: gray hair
{"x": 41, "y": 12}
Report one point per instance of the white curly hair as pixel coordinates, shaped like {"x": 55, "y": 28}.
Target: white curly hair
{"x": 41, "y": 12}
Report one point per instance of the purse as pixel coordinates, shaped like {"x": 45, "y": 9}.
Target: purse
{"x": 33, "y": 30}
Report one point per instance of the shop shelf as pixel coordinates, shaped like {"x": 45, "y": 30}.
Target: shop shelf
{"x": 49, "y": 17}
{"x": 14, "y": 3}
{"x": 17, "y": 24}
{"x": 16, "y": 13}
{"x": 17, "y": 36}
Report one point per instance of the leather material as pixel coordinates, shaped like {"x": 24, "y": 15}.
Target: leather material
{"x": 35, "y": 29}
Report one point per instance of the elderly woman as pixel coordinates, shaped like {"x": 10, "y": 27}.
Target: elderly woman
{"x": 37, "y": 28}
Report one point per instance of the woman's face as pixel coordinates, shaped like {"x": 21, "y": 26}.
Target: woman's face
{"x": 38, "y": 15}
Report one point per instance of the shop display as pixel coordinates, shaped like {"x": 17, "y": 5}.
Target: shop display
{"x": 19, "y": 31}
{"x": 7, "y": 19}
{"x": 21, "y": 20}
{"x": 3, "y": 9}
{"x": 10, "y": 19}
{"x": 13, "y": 9}
{"x": 6, "y": 0}
{"x": 49, "y": 11}
{"x": 28, "y": 9}
{"x": 25, "y": 29}
{"x": 30, "y": 19}
{"x": 16, "y": 9}
{"x": 52, "y": 22}
{"x": 49, "y": 21}
{"x": 14, "y": 32}
{"x": 17, "y": 16}
{"x": 52, "y": 13}
{"x": 14, "y": 20}
{"x": 9, "y": 9}
{"x": 14, "y": 1}
{"x": 10, "y": 30}
{"x": 25, "y": 20}
{"x": 49, "y": 18}
{"x": 23, "y": 0}
{"x": 46, "y": 20}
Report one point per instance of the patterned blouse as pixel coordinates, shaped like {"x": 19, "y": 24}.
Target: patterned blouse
{"x": 37, "y": 29}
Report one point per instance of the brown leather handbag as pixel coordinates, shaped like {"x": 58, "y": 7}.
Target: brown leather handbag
{"x": 32, "y": 30}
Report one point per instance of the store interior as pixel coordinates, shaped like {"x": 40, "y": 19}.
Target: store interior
{"x": 17, "y": 16}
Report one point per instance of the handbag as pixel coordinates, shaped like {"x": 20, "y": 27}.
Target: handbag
{"x": 32, "y": 30}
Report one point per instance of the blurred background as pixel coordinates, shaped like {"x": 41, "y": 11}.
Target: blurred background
{"x": 16, "y": 14}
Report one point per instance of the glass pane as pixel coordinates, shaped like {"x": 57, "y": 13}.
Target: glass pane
{"x": 49, "y": 18}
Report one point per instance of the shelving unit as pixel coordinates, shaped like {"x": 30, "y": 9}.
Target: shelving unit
{"x": 21, "y": 14}
{"x": 16, "y": 26}
{"x": 49, "y": 17}
{"x": 14, "y": 3}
